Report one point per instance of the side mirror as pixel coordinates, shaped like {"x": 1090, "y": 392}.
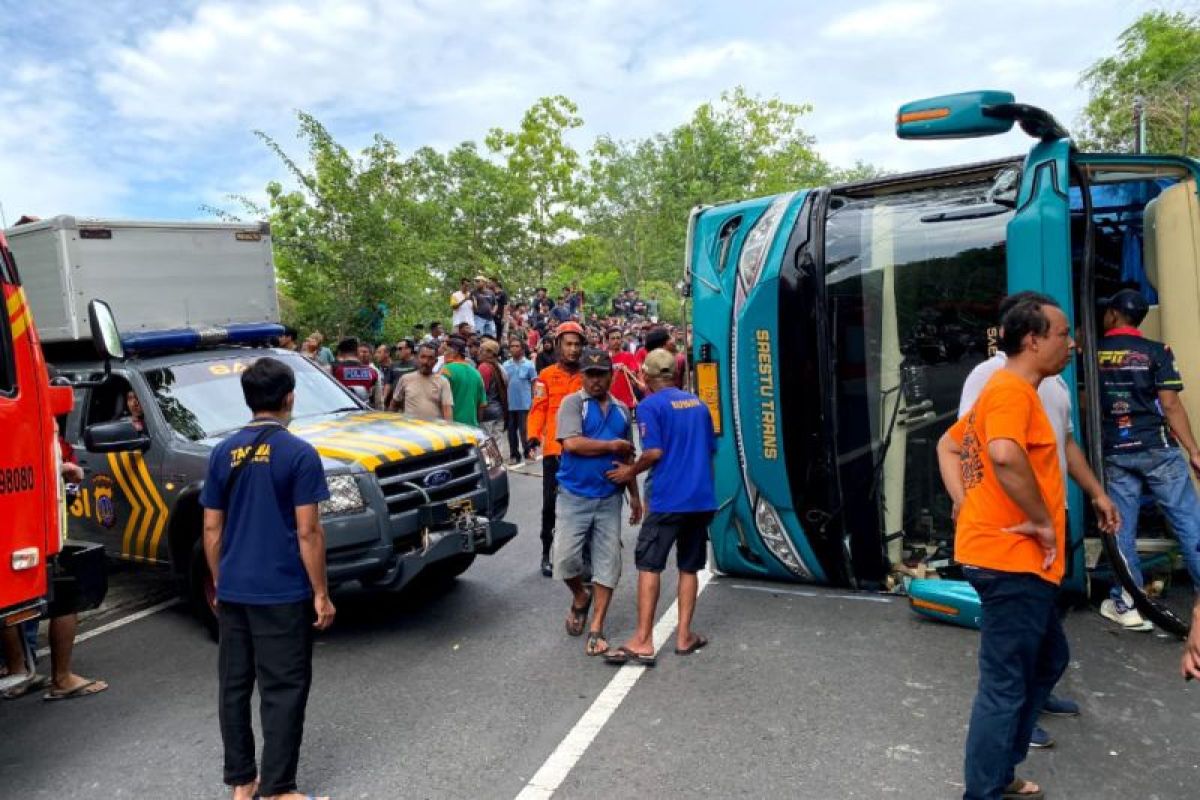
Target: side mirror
{"x": 105, "y": 334}
{"x": 954, "y": 116}
{"x": 114, "y": 437}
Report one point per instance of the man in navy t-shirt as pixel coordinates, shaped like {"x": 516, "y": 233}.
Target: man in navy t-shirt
{"x": 265, "y": 547}
{"x": 677, "y": 445}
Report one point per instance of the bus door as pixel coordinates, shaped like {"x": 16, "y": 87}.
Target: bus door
{"x": 1141, "y": 220}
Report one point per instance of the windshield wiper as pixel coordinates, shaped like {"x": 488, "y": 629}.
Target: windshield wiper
{"x": 966, "y": 213}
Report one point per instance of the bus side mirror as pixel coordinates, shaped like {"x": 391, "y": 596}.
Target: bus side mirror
{"x": 105, "y": 335}
{"x": 954, "y": 116}
{"x": 114, "y": 437}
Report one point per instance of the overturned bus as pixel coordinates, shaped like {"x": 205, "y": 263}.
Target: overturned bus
{"x": 833, "y": 327}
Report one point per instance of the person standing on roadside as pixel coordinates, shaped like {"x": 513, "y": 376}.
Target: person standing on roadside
{"x": 1056, "y": 402}
{"x": 361, "y": 379}
{"x": 594, "y": 429}
{"x": 462, "y": 306}
{"x": 627, "y": 384}
{"x": 1000, "y": 466}
{"x": 466, "y": 385}
{"x": 554, "y": 383}
{"x": 495, "y": 389}
{"x": 678, "y": 443}
{"x": 422, "y": 394}
{"x": 521, "y": 376}
{"x": 1148, "y": 443}
{"x": 265, "y": 549}
{"x": 484, "y": 301}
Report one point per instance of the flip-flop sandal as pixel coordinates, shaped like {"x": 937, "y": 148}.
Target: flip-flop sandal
{"x": 82, "y": 690}
{"x": 28, "y": 686}
{"x": 700, "y": 642}
{"x": 593, "y": 639}
{"x": 578, "y": 618}
{"x": 624, "y": 655}
{"x": 1013, "y": 791}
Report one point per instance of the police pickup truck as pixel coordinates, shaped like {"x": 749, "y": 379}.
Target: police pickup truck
{"x": 407, "y": 496}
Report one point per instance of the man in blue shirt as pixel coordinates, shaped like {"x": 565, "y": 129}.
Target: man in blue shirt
{"x": 521, "y": 375}
{"x": 595, "y": 431}
{"x": 677, "y": 444}
{"x": 266, "y": 550}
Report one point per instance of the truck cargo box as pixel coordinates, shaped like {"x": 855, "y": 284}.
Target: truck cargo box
{"x": 155, "y": 275}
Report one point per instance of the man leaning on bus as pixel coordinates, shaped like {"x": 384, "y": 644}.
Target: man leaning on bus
{"x": 1000, "y": 466}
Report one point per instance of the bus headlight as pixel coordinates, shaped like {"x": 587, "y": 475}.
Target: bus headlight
{"x": 344, "y": 496}
{"x": 758, "y": 242}
{"x": 774, "y": 536}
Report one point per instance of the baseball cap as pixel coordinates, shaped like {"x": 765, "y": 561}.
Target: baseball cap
{"x": 480, "y": 278}
{"x": 490, "y": 346}
{"x": 595, "y": 360}
{"x": 1129, "y": 303}
{"x": 659, "y": 364}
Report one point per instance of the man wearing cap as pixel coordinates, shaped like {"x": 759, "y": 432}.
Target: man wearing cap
{"x": 1143, "y": 426}
{"x": 678, "y": 444}
{"x": 594, "y": 430}
{"x": 466, "y": 385}
{"x": 553, "y": 385}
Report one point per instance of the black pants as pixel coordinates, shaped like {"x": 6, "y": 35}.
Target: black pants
{"x": 516, "y": 430}
{"x": 549, "y": 500}
{"x": 274, "y": 644}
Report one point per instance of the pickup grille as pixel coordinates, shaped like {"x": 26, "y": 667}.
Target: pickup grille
{"x": 397, "y": 480}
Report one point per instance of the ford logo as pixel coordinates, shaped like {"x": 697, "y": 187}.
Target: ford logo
{"x": 436, "y": 478}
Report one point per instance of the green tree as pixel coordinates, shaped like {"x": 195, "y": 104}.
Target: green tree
{"x": 1157, "y": 59}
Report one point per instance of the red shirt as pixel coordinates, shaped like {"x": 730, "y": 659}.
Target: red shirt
{"x": 622, "y": 387}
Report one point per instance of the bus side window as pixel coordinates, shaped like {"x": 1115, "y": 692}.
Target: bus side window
{"x": 8, "y": 361}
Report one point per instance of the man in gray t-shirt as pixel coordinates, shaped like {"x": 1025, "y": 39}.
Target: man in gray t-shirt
{"x": 422, "y": 394}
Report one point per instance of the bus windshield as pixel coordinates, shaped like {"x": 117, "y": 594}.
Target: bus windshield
{"x": 204, "y": 398}
{"x": 913, "y": 278}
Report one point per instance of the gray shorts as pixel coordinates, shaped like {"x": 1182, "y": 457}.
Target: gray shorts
{"x": 579, "y": 519}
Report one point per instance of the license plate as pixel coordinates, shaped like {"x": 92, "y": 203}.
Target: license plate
{"x": 708, "y": 388}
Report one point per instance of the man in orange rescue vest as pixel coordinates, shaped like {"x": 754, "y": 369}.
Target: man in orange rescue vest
{"x": 553, "y": 384}
{"x": 1000, "y": 466}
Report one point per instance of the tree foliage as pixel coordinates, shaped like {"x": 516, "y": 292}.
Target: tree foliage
{"x": 1158, "y": 60}
{"x": 369, "y": 243}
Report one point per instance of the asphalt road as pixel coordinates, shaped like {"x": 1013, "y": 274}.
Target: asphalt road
{"x": 465, "y": 691}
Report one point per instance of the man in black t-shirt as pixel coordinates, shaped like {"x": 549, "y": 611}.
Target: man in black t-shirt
{"x": 484, "y": 300}
{"x": 1143, "y": 426}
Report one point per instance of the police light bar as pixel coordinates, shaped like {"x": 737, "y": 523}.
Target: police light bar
{"x": 189, "y": 338}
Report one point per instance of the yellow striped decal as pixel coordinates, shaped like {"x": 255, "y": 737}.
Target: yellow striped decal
{"x": 158, "y": 510}
{"x": 373, "y": 438}
{"x": 368, "y": 461}
{"x": 356, "y": 441}
{"x": 407, "y": 446}
{"x": 129, "y": 463}
{"x": 18, "y": 314}
{"x": 114, "y": 464}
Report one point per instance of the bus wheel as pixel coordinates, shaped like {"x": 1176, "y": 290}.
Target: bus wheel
{"x": 201, "y": 589}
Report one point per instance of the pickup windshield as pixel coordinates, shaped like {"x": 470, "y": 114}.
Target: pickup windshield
{"x": 204, "y": 398}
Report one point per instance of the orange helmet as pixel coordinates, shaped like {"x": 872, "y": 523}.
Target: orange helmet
{"x": 569, "y": 327}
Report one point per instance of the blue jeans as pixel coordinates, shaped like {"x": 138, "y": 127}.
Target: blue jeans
{"x": 1167, "y": 475}
{"x": 485, "y": 327}
{"x": 1022, "y": 654}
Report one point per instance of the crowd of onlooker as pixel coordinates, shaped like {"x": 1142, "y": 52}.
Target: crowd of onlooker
{"x": 481, "y": 369}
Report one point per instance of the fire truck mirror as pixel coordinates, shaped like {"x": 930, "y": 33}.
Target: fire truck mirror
{"x": 114, "y": 437}
{"x": 105, "y": 333}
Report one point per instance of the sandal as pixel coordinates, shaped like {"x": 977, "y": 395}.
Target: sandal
{"x": 623, "y": 655}
{"x": 85, "y": 689}
{"x": 1013, "y": 791}
{"x": 578, "y": 617}
{"x": 592, "y": 648}
{"x": 28, "y": 686}
{"x": 697, "y": 643}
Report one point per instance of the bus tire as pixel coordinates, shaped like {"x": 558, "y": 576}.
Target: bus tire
{"x": 201, "y": 589}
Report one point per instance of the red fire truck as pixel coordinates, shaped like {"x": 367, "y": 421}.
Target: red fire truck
{"x": 32, "y": 524}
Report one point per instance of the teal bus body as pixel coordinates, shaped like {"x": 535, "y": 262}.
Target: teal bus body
{"x": 832, "y": 328}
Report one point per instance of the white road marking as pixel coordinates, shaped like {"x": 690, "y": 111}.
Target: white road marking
{"x": 866, "y": 598}
{"x": 570, "y": 750}
{"x": 117, "y": 623}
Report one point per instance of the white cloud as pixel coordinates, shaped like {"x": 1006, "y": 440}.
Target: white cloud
{"x": 704, "y": 62}
{"x": 891, "y": 19}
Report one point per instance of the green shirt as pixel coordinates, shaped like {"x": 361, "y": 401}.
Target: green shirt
{"x": 466, "y": 384}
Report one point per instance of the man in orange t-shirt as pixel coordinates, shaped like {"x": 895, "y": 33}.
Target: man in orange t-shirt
{"x": 1000, "y": 466}
{"x": 553, "y": 384}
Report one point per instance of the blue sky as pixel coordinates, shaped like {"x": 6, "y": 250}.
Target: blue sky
{"x": 146, "y": 109}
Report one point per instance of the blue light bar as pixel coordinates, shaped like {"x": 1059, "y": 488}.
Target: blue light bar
{"x": 191, "y": 338}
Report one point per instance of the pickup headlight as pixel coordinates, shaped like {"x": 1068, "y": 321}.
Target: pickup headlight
{"x": 491, "y": 454}
{"x": 774, "y": 536}
{"x": 344, "y": 496}
{"x": 758, "y": 242}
